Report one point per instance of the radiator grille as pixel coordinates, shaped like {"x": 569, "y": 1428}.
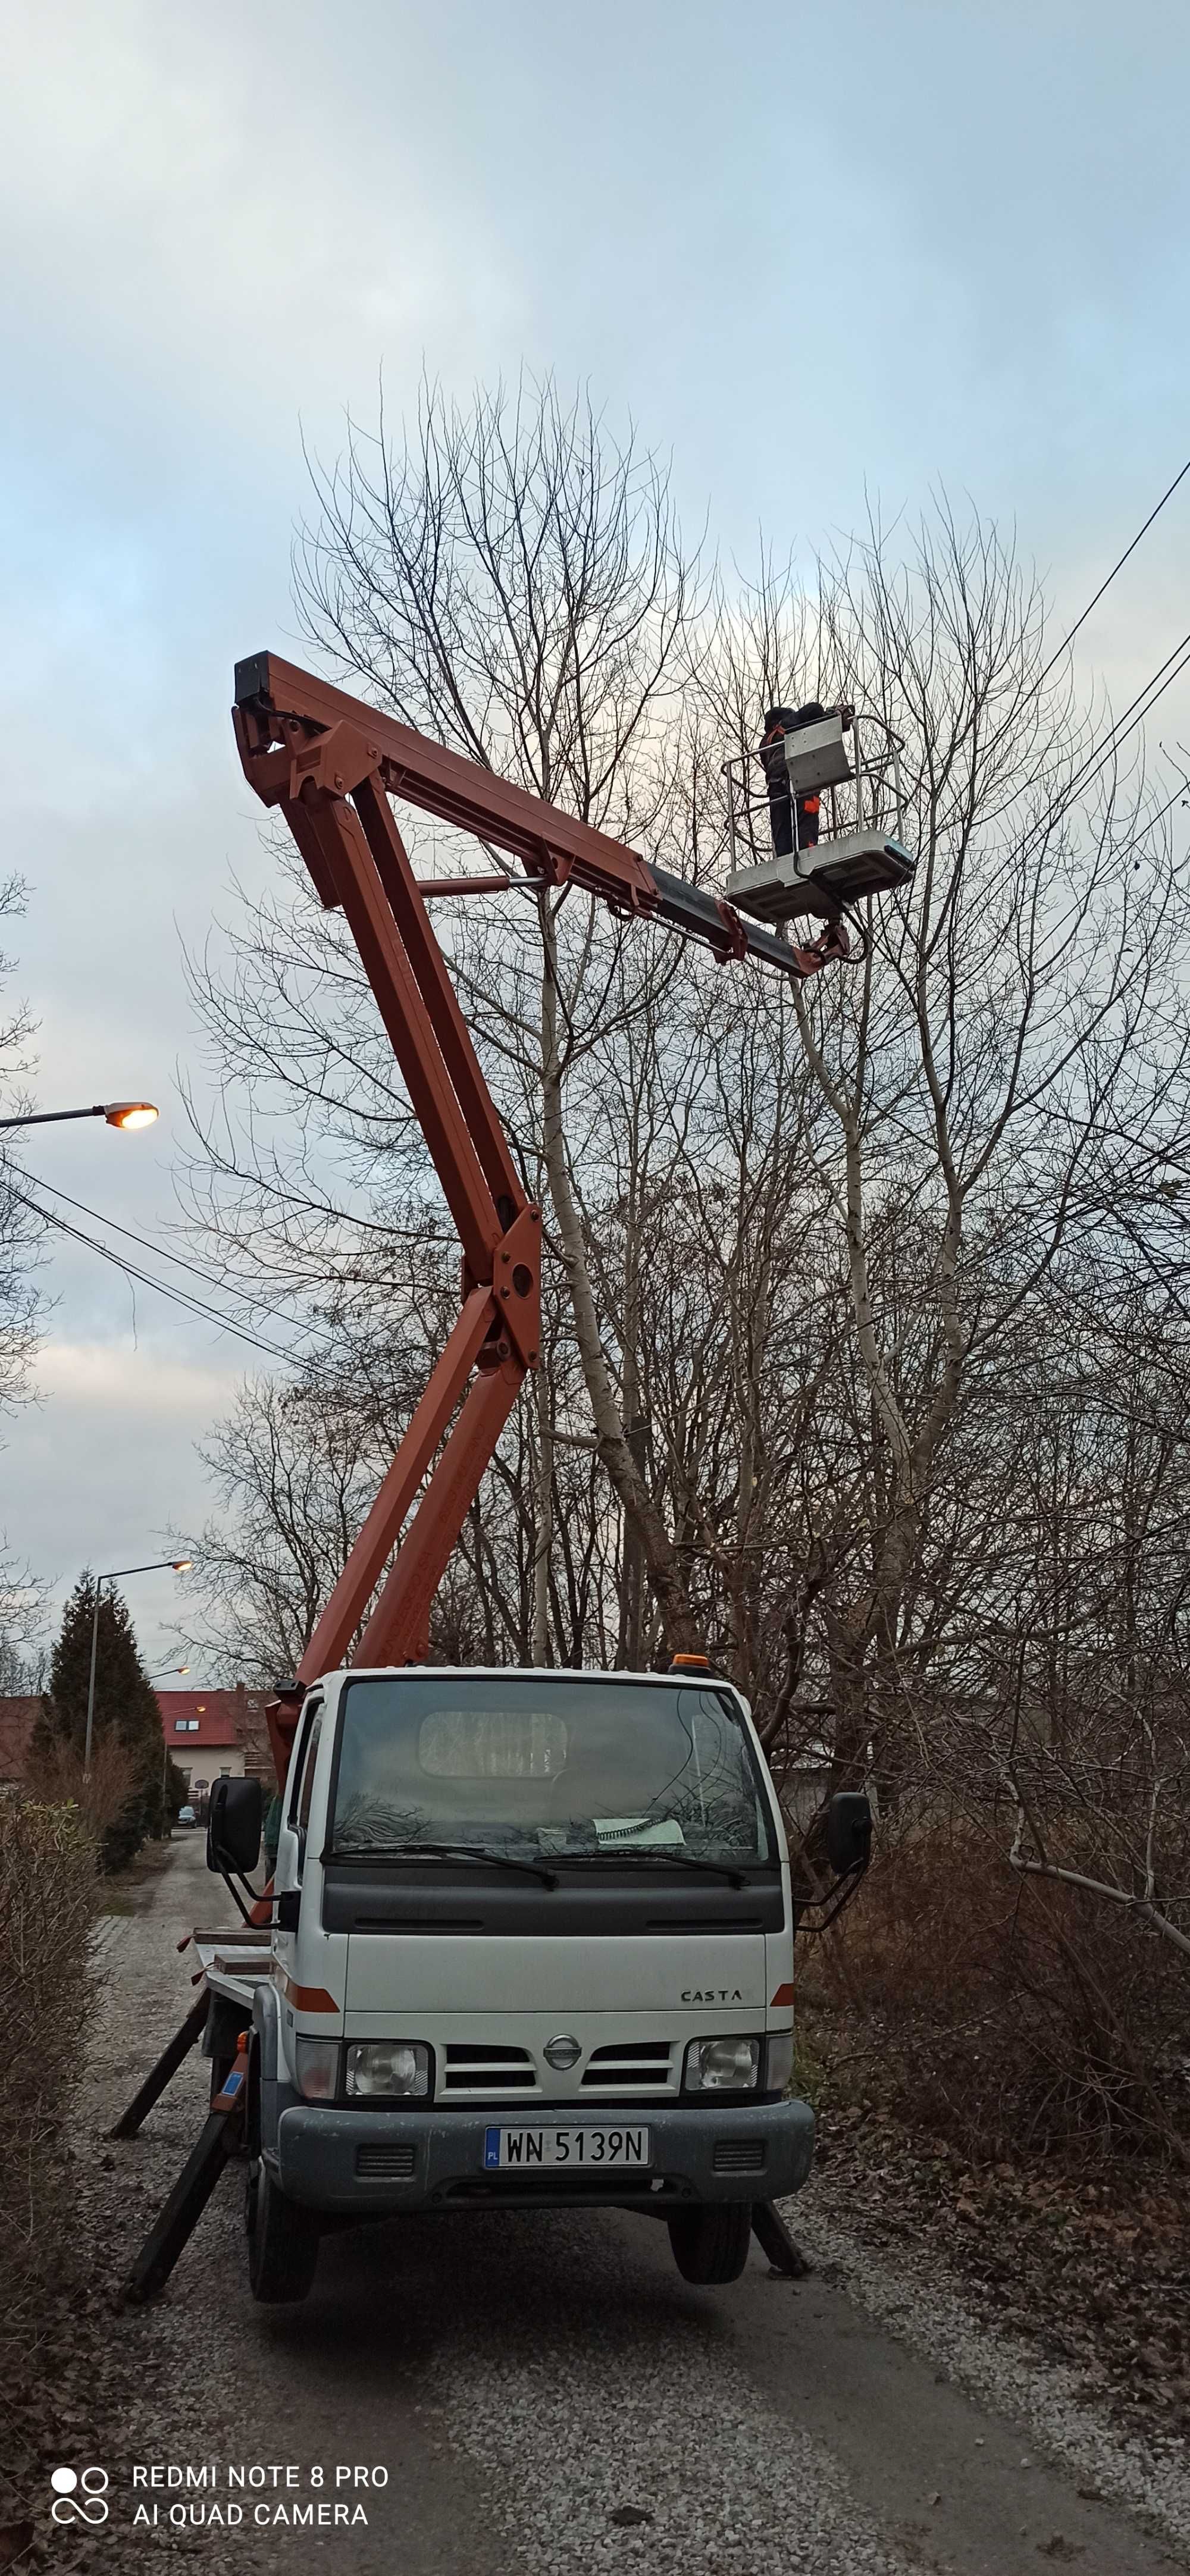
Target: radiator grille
{"x": 740, "y": 2155}
{"x": 396, "y": 2160}
{"x": 482, "y": 2068}
{"x": 632, "y": 2065}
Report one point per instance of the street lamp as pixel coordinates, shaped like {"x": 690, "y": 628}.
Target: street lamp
{"x": 118, "y": 1113}
{"x": 179, "y": 1565}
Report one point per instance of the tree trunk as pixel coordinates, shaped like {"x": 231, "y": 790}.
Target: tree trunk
{"x": 543, "y": 1534}
{"x": 641, "y": 1516}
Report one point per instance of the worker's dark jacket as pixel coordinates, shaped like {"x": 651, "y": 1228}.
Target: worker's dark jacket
{"x": 777, "y": 723}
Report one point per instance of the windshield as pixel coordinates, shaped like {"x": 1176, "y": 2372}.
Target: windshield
{"x": 550, "y": 1769}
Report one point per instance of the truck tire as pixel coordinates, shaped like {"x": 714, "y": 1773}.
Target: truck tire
{"x": 282, "y": 2241}
{"x": 711, "y": 2243}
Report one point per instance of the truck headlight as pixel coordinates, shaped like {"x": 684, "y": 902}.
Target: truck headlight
{"x": 722, "y": 2066}
{"x": 317, "y": 2069}
{"x": 388, "y": 2068}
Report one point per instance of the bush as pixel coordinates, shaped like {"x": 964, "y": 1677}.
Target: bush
{"x": 108, "y": 1799}
{"x": 1012, "y": 2016}
{"x": 47, "y": 1882}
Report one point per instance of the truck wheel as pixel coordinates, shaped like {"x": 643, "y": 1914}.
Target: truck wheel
{"x": 282, "y": 2241}
{"x": 711, "y": 2243}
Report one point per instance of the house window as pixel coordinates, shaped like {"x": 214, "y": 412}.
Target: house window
{"x": 225, "y": 1771}
{"x": 185, "y": 1726}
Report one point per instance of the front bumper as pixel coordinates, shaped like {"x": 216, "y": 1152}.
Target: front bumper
{"x": 369, "y": 2163}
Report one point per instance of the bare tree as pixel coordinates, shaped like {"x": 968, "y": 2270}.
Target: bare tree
{"x": 512, "y": 580}
{"x": 294, "y": 1469}
{"x": 1012, "y": 1020}
{"x": 796, "y": 1241}
{"x": 865, "y": 1306}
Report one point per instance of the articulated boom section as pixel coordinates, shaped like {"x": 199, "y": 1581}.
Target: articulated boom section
{"x": 330, "y": 765}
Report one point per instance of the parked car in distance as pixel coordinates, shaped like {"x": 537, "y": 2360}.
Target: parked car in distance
{"x": 186, "y": 1816}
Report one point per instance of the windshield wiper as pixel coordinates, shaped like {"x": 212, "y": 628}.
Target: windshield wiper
{"x": 658, "y": 1852}
{"x": 447, "y": 1851}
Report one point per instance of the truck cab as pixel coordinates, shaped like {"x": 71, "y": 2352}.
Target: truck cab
{"x": 532, "y": 1948}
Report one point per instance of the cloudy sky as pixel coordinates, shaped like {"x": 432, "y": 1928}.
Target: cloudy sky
{"x": 816, "y": 253}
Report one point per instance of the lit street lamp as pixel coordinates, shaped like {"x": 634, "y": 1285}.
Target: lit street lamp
{"x": 179, "y": 1565}
{"x": 118, "y": 1113}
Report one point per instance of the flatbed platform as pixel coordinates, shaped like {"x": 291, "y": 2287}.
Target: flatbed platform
{"x": 234, "y": 1962}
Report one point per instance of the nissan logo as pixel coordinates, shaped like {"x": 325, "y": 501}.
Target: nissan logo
{"x": 564, "y": 2051}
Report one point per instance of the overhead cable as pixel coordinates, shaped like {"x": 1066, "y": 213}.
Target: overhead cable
{"x": 1116, "y": 567}
{"x": 161, "y": 1252}
{"x": 184, "y": 1298}
{"x": 1118, "y": 734}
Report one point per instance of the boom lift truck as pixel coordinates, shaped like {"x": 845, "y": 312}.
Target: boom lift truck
{"x": 529, "y": 1938}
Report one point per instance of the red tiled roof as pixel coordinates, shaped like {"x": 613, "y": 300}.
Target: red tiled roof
{"x": 218, "y": 1713}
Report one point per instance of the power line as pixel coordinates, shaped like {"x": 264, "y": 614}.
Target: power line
{"x": 359, "y": 1224}
{"x": 196, "y": 1307}
{"x": 1112, "y": 741}
{"x": 1081, "y": 620}
{"x": 160, "y": 1251}
{"x": 1116, "y": 567}
{"x": 1102, "y": 751}
{"x": 1152, "y": 820}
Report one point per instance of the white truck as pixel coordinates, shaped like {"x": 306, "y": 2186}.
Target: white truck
{"x": 529, "y": 1937}
{"x": 532, "y": 1948}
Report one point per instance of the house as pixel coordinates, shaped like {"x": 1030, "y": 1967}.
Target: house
{"x": 203, "y": 1735}
{"x": 210, "y": 1733}
{"x": 205, "y": 1732}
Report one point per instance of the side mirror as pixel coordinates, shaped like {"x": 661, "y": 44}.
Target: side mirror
{"x": 848, "y": 1834}
{"x": 234, "y": 1821}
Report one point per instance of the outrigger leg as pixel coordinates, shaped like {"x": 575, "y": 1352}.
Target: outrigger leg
{"x": 774, "y": 2239}
{"x": 166, "y": 2067}
{"x": 218, "y": 2141}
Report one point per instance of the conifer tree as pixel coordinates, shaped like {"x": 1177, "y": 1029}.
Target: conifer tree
{"x": 126, "y": 1709}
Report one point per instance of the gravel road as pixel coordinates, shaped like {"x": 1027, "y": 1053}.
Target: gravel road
{"x": 548, "y": 2397}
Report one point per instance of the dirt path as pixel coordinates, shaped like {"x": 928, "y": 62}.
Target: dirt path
{"x": 548, "y": 2397}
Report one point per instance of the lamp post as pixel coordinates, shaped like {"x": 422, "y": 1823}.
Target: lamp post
{"x": 118, "y": 1113}
{"x": 179, "y": 1565}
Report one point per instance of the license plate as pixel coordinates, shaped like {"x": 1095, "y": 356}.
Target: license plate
{"x": 599, "y": 2149}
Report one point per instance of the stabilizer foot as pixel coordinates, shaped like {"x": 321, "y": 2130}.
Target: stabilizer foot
{"x": 774, "y": 2239}
{"x": 166, "y": 2067}
{"x": 218, "y": 2141}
